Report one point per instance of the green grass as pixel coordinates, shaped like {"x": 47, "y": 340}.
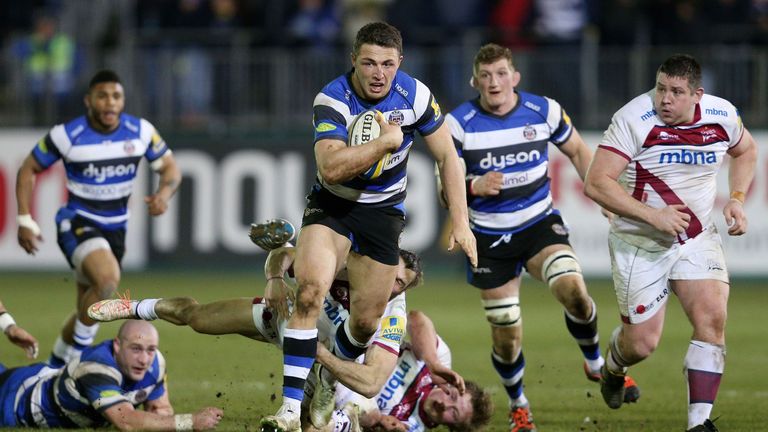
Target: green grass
{"x": 244, "y": 377}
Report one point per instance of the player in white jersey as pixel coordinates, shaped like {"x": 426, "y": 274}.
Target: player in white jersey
{"x": 655, "y": 169}
{"x": 101, "y": 152}
{"x": 358, "y": 219}
{"x": 422, "y": 392}
{"x": 503, "y": 137}
{"x": 17, "y": 335}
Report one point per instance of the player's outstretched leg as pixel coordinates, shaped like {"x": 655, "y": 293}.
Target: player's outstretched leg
{"x": 272, "y": 234}
{"x": 122, "y": 308}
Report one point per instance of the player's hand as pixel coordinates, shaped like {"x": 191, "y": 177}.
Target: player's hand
{"x": 461, "y": 234}
{"x": 207, "y": 418}
{"x": 489, "y": 184}
{"x": 735, "y": 217}
{"x": 28, "y": 240}
{"x": 156, "y": 204}
{"x": 440, "y": 373}
{"x": 277, "y": 294}
{"x": 391, "y": 133}
{"x": 21, "y": 338}
{"x": 671, "y": 219}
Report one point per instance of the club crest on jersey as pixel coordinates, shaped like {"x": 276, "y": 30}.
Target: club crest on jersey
{"x": 129, "y": 147}
{"x": 664, "y": 136}
{"x": 529, "y": 132}
{"x": 396, "y": 117}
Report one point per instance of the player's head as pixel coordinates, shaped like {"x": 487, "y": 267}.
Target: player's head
{"x": 409, "y": 272}
{"x": 678, "y": 89}
{"x": 376, "y": 56}
{"x": 105, "y": 100}
{"x": 495, "y": 78}
{"x": 468, "y": 412}
{"x": 135, "y": 347}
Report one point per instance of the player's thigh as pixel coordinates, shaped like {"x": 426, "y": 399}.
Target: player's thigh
{"x": 100, "y": 267}
{"x": 640, "y": 279}
{"x": 226, "y": 317}
{"x": 371, "y": 284}
{"x": 320, "y": 252}
{"x": 705, "y": 303}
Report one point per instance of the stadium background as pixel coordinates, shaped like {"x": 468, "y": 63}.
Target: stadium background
{"x": 230, "y": 83}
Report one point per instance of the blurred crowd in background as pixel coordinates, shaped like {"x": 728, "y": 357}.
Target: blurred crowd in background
{"x": 249, "y": 64}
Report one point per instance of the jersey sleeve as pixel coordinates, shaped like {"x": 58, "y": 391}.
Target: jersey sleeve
{"x": 329, "y": 118}
{"x": 427, "y": 110}
{"x": 156, "y": 146}
{"x": 443, "y": 353}
{"x": 457, "y": 133}
{"x": 46, "y": 152}
{"x": 618, "y": 138}
{"x": 736, "y": 131}
{"x": 100, "y": 385}
{"x": 559, "y": 123}
{"x": 391, "y": 331}
{"x": 159, "y": 389}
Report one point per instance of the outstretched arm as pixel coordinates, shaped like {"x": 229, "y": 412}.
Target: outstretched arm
{"x": 277, "y": 292}
{"x": 170, "y": 180}
{"x": 440, "y": 144}
{"x": 424, "y": 342}
{"x": 124, "y": 417}
{"x": 29, "y": 231}
{"x": 17, "y": 335}
{"x": 740, "y": 174}
{"x": 367, "y": 378}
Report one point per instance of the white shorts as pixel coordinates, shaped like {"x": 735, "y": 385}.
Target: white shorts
{"x": 641, "y": 277}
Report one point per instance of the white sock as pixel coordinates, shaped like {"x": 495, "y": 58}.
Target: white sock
{"x": 519, "y": 402}
{"x": 62, "y": 349}
{"x": 84, "y": 334}
{"x": 145, "y": 309}
{"x": 596, "y": 364}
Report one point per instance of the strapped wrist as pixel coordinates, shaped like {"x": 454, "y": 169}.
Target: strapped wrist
{"x": 738, "y": 196}
{"x": 6, "y": 321}
{"x": 26, "y": 221}
{"x": 184, "y": 422}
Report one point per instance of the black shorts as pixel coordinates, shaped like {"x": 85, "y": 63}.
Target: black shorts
{"x": 73, "y": 229}
{"x": 502, "y": 257}
{"x": 374, "y": 231}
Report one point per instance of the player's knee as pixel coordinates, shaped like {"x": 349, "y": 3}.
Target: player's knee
{"x": 645, "y": 346}
{"x": 504, "y": 312}
{"x": 560, "y": 264}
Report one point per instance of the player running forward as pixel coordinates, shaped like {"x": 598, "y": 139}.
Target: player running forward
{"x": 656, "y": 170}
{"x": 101, "y": 152}
{"x": 503, "y": 138}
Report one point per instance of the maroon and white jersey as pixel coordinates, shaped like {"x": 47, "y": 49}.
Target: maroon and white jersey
{"x": 404, "y": 392}
{"x": 671, "y": 164}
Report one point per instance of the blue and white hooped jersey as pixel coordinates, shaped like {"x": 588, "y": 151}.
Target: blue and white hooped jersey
{"x": 515, "y": 144}
{"x": 75, "y": 396}
{"x": 100, "y": 167}
{"x": 409, "y": 104}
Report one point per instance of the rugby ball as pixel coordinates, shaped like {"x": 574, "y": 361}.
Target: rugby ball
{"x": 365, "y": 128}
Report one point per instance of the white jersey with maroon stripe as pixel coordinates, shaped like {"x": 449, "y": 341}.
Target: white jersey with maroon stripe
{"x": 404, "y": 392}
{"x": 671, "y": 164}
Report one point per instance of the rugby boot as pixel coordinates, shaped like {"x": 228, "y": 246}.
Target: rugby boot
{"x": 707, "y": 426}
{"x": 323, "y": 400}
{"x": 631, "y": 389}
{"x": 612, "y": 388}
{"x": 521, "y": 419}
{"x": 272, "y": 234}
{"x": 113, "y": 309}
{"x": 285, "y": 420}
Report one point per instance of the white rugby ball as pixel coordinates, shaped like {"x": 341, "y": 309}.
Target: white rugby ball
{"x": 365, "y": 128}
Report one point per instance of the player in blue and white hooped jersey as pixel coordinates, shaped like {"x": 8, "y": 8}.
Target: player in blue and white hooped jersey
{"x": 103, "y": 386}
{"x": 656, "y": 170}
{"x": 101, "y": 152}
{"x": 503, "y": 137}
{"x": 359, "y": 220}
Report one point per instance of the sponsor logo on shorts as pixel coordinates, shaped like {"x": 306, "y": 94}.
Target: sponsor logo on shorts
{"x": 309, "y": 211}
{"x": 714, "y": 266}
{"x": 559, "y": 229}
{"x": 529, "y": 132}
{"x": 483, "y": 270}
{"x": 641, "y": 309}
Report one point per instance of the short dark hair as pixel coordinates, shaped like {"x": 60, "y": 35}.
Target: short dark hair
{"x": 490, "y": 53}
{"x": 378, "y": 33}
{"x": 482, "y": 409}
{"x": 682, "y": 66}
{"x": 102, "y": 76}
{"x": 413, "y": 263}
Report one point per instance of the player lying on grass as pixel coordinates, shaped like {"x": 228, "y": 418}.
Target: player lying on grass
{"x": 264, "y": 319}
{"x": 102, "y": 386}
{"x": 416, "y": 396}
